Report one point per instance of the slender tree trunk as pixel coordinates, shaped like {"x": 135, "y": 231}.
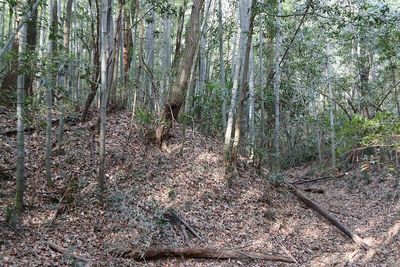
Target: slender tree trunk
{"x": 106, "y": 16}
{"x": 221, "y": 64}
{"x": 244, "y": 83}
{"x": 236, "y": 75}
{"x": 149, "y": 60}
{"x": 20, "y": 174}
{"x": 363, "y": 72}
{"x": 331, "y": 110}
{"x": 261, "y": 88}
{"x": 31, "y": 45}
{"x": 396, "y": 90}
{"x": 50, "y": 84}
{"x": 277, "y": 82}
{"x": 140, "y": 56}
{"x": 177, "y": 95}
{"x": 252, "y": 134}
{"x": 96, "y": 61}
{"x": 181, "y": 22}
{"x": 167, "y": 50}
{"x": 2, "y": 23}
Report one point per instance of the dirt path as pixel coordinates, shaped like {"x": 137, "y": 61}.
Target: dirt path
{"x": 144, "y": 183}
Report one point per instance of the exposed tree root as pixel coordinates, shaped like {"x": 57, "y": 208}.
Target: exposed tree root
{"x": 206, "y": 253}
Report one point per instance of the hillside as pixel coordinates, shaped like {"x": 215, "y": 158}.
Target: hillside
{"x": 146, "y": 183}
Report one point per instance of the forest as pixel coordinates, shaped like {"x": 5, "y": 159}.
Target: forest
{"x": 199, "y": 133}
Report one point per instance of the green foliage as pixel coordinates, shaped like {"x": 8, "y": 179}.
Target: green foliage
{"x": 382, "y": 130}
{"x": 144, "y": 117}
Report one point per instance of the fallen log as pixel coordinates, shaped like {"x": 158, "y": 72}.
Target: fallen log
{"x": 62, "y": 250}
{"x": 358, "y": 240}
{"x": 318, "y": 179}
{"x": 205, "y": 253}
{"x": 30, "y": 130}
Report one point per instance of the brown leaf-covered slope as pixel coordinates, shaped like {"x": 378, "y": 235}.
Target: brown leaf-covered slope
{"x": 144, "y": 183}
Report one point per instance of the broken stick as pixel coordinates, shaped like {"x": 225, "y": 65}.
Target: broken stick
{"x": 207, "y": 253}
{"x": 174, "y": 217}
{"x": 358, "y": 240}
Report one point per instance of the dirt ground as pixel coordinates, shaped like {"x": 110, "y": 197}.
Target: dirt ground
{"x": 144, "y": 182}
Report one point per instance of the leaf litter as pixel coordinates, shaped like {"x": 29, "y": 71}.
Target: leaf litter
{"x": 144, "y": 183}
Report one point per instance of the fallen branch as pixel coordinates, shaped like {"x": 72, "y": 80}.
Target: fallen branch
{"x": 314, "y": 190}
{"x": 205, "y": 253}
{"x": 65, "y": 251}
{"x": 322, "y": 178}
{"x": 358, "y": 240}
{"x": 318, "y": 179}
{"x": 30, "y": 130}
{"x": 174, "y": 217}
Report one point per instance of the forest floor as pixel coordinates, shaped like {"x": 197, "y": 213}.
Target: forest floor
{"x": 144, "y": 182}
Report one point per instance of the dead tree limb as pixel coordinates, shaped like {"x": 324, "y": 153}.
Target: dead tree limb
{"x": 62, "y": 250}
{"x": 174, "y": 217}
{"x": 205, "y": 253}
{"x": 358, "y": 240}
{"x": 318, "y": 179}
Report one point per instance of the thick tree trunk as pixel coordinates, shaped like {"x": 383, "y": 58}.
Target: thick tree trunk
{"x": 177, "y": 95}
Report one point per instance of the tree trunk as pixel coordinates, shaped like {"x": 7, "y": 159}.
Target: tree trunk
{"x": 244, "y": 83}
{"x": 50, "y": 85}
{"x": 236, "y": 75}
{"x": 252, "y": 134}
{"x": 179, "y": 31}
{"x": 177, "y": 95}
{"x": 106, "y": 16}
{"x": 221, "y": 64}
{"x": 20, "y": 175}
{"x": 166, "y": 59}
{"x": 31, "y": 46}
{"x": 331, "y": 112}
{"x": 96, "y": 63}
{"x": 277, "y": 82}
